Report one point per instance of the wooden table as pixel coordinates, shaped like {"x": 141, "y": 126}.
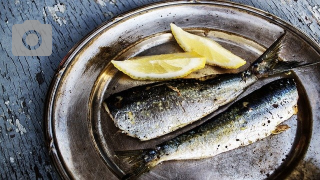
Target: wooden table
{"x": 25, "y": 80}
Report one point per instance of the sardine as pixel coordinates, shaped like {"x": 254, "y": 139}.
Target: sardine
{"x": 250, "y": 119}
{"x": 153, "y": 110}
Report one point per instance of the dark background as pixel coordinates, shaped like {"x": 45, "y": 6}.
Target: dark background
{"x": 24, "y": 81}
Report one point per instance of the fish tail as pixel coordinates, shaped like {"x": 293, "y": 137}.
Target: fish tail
{"x": 269, "y": 62}
{"x": 142, "y": 160}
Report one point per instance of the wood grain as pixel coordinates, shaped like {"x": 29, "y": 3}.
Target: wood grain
{"x": 25, "y": 80}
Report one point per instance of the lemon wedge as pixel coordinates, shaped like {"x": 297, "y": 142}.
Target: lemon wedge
{"x": 214, "y": 52}
{"x": 161, "y": 67}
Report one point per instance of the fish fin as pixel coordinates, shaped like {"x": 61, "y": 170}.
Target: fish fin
{"x": 290, "y": 65}
{"x": 269, "y": 62}
{"x": 284, "y": 66}
{"x": 142, "y": 161}
{"x": 272, "y": 53}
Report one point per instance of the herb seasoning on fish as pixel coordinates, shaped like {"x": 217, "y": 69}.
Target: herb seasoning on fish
{"x": 254, "y": 117}
{"x": 150, "y": 111}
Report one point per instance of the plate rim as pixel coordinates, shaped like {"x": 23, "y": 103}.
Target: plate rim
{"x": 50, "y": 137}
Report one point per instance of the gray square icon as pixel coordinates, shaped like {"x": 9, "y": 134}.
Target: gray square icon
{"x": 31, "y": 39}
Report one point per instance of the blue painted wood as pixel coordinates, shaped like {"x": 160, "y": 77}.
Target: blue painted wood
{"x": 24, "y": 81}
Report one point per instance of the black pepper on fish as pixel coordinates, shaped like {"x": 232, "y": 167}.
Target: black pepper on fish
{"x": 163, "y": 107}
{"x": 235, "y": 127}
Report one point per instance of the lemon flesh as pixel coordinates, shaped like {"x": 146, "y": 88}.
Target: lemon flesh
{"x": 161, "y": 67}
{"x": 214, "y": 52}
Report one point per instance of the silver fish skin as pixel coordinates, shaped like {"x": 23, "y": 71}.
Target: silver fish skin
{"x": 252, "y": 118}
{"x": 153, "y": 110}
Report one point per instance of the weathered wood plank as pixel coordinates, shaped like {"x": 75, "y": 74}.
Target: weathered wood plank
{"x": 24, "y": 81}
{"x": 305, "y": 15}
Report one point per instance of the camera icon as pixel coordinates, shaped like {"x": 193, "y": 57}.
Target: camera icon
{"x": 31, "y": 39}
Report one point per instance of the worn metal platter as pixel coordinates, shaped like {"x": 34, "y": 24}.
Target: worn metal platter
{"x": 82, "y": 138}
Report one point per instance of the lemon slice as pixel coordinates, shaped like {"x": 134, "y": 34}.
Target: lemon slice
{"x": 214, "y": 52}
{"x": 161, "y": 67}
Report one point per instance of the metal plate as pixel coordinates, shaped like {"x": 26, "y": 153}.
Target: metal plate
{"x": 82, "y": 137}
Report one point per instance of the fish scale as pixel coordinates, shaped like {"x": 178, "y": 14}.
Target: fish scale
{"x": 159, "y": 104}
{"x": 153, "y": 110}
{"x": 252, "y": 118}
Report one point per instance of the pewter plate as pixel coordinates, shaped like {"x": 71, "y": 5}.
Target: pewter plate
{"x": 82, "y": 138}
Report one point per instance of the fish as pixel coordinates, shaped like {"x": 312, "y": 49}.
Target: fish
{"x": 254, "y": 117}
{"x": 153, "y": 110}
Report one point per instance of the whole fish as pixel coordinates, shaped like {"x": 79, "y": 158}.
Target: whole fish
{"x": 254, "y": 117}
{"x": 152, "y": 110}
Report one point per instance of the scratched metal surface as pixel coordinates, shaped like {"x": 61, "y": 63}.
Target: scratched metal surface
{"x": 81, "y": 134}
{"x": 25, "y": 80}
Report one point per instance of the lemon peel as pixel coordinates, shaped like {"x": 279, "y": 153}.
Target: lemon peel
{"x": 161, "y": 67}
{"x": 215, "y": 54}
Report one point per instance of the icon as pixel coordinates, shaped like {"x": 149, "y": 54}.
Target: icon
{"x": 31, "y": 39}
